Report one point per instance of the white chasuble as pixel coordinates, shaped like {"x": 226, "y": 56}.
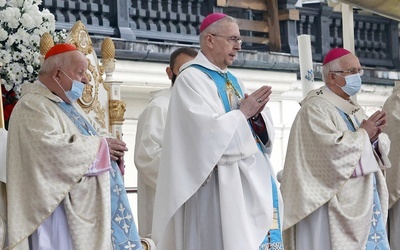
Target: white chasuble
{"x": 212, "y": 172}
{"x": 318, "y": 176}
{"x": 47, "y": 160}
{"x": 149, "y": 137}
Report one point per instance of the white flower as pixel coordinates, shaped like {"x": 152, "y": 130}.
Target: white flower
{"x": 60, "y": 36}
{"x": 20, "y": 3}
{"x": 34, "y": 39}
{"x": 28, "y": 3}
{"x": 29, "y": 68}
{"x": 5, "y": 57}
{"x": 11, "y": 40}
{"x": 22, "y": 34}
{"x": 21, "y": 26}
{"x": 27, "y": 21}
{"x": 3, "y": 34}
{"x": 11, "y": 15}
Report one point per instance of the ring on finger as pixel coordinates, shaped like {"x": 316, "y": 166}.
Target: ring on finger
{"x": 259, "y": 100}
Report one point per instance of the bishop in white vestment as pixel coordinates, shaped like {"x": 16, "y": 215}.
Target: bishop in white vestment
{"x": 215, "y": 188}
{"x": 333, "y": 185}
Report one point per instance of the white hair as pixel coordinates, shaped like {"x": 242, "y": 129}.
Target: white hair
{"x": 56, "y": 61}
{"x": 215, "y": 27}
{"x": 331, "y": 66}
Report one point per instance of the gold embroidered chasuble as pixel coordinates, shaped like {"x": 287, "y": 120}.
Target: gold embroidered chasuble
{"x": 320, "y": 160}
{"x": 46, "y": 161}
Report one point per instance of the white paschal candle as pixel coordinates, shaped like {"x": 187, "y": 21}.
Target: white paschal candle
{"x": 306, "y": 64}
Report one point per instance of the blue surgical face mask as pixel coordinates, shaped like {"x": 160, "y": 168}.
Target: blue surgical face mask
{"x": 76, "y": 91}
{"x": 353, "y": 84}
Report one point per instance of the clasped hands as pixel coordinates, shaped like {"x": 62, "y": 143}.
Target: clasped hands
{"x": 374, "y": 124}
{"x": 251, "y": 105}
{"x": 117, "y": 148}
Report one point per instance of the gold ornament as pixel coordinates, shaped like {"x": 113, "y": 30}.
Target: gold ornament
{"x": 79, "y": 37}
{"x": 116, "y": 110}
{"x": 46, "y": 42}
{"x": 107, "y": 49}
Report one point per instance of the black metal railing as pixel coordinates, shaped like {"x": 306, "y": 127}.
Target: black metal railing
{"x": 376, "y": 38}
{"x": 99, "y": 16}
{"x": 177, "y": 22}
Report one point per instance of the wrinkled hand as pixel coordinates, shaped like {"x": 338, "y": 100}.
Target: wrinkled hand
{"x": 117, "y": 148}
{"x": 254, "y": 103}
{"x": 374, "y": 124}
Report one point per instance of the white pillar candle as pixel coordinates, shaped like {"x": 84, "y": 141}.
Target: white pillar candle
{"x": 306, "y": 64}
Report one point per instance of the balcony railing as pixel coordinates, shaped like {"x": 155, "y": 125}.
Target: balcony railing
{"x": 265, "y": 25}
{"x": 376, "y": 38}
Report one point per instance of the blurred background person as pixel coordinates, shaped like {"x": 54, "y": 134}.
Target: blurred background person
{"x": 149, "y": 137}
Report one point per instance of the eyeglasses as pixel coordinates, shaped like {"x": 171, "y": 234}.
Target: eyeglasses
{"x": 232, "y": 40}
{"x": 350, "y": 71}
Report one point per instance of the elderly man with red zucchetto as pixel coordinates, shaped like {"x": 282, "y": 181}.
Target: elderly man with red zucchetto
{"x": 64, "y": 187}
{"x": 333, "y": 185}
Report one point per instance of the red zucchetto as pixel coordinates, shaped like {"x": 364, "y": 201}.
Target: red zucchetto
{"x": 335, "y": 54}
{"x": 59, "y": 48}
{"x": 210, "y": 19}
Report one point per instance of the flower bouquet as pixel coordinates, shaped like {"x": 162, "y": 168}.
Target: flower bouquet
{"x": 21, "y": 25}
